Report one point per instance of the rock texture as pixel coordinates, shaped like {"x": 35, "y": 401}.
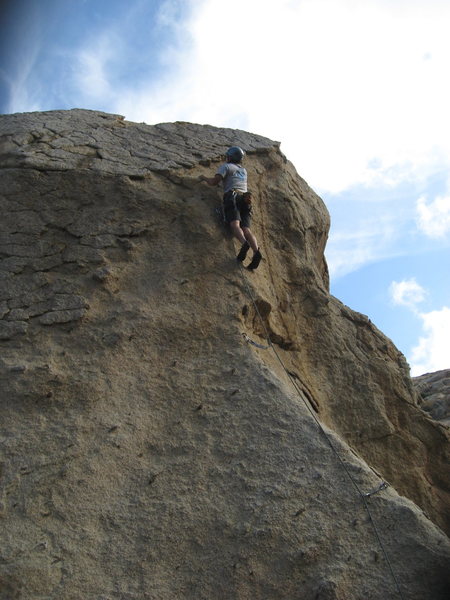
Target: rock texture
{"x": 149, "y": 451}
{"x": 434, "y": 393}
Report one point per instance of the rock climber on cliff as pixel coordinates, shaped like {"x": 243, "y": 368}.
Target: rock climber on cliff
{"x": 237, "y": 204}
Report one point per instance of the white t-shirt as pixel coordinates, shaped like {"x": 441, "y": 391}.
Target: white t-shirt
{"x": 234, "y": 177}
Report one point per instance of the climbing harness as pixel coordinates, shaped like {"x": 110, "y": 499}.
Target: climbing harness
{"x": 364, "y": 496}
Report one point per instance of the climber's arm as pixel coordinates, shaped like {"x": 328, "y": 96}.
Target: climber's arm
{"x": 211, "y": 180}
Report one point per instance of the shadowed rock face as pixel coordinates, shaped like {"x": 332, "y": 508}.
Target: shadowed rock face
{"x": 148, "y": 450}
{"x": 434, "y": 394}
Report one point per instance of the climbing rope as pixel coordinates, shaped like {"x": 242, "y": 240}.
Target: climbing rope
{"x": 364, "y": 496}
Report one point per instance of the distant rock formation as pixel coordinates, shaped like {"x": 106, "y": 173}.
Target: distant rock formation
{"x": 434, "y": 393}
{"x": 150, "y": 450}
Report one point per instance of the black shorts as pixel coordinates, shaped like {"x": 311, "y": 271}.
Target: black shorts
{"x": 236, "y": 209}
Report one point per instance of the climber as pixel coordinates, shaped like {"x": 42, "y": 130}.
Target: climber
{"x": 237, "y": 205}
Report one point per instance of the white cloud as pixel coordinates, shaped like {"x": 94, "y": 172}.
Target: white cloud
{"x": 22, "y": 94}
{"x": 432, "y": 353}
{"x": 366, "y": 241}
{"x": 433, "y": 218}
{"x": 24, "y": 89}
{"x": 407, "y": 293}
{"x": 92, "y": 70}
{"x": 313, "y": 74}
{"x": 353, "y": 90}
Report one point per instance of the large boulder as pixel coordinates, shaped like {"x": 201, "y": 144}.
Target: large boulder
{"x": 150, "y": 450}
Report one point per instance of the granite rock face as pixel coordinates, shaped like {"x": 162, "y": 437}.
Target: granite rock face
{"x": 149, "y": 450}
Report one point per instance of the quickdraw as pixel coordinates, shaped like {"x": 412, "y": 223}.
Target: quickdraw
{"x": 383, "y": 485}
{"x": 250, "y": 341}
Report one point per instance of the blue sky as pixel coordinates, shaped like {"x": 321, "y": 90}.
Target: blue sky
{"x": 357, "y": 91}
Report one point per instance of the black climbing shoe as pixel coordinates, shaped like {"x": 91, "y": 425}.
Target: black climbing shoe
{"x": 243, "y": 252}
{"x": 255, "y": 261}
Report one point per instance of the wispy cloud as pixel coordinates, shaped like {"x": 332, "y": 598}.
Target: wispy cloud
{"x": 92, "y": 70}
{"x": 432, "y": 352}
{"x": 24, "y": 90}
{"x": 23, "y": 95}
{"x": 364, "y": 242}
